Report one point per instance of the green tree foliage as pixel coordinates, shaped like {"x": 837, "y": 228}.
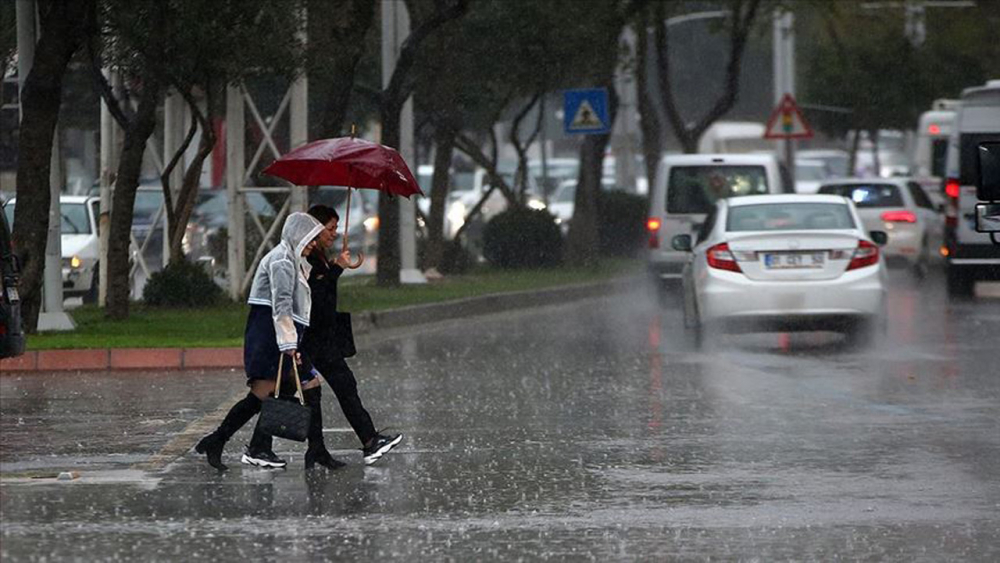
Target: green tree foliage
{"x": 194, "y": 48}
{"x": 181, "y": 284}
{"x": 860, "y": 58}
{"x": 522, "y": 238}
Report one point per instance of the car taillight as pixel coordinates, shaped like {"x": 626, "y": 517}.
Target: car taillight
{"x": 899, "y": 217}
{"x": 952, "y": 187}
{"x": 653, "y": 226}
{"x": 721, "y": 258}
{"x": 866, "y": 254}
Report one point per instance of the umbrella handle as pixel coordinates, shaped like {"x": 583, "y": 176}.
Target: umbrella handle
{"x": 361, "y": 260}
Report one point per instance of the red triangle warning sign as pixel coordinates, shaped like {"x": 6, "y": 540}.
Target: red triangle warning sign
{"x": 787, "y": 122}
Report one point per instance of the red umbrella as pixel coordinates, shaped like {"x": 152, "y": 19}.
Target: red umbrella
{"x": 350, "y": 162}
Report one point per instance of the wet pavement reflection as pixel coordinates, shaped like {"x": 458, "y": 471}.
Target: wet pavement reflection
{"x": 584, "y": 431}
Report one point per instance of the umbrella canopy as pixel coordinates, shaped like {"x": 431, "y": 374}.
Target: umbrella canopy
{"x": 346, "y": 161}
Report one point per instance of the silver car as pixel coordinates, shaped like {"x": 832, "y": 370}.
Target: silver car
{"x": 902, "y": 209}
{"x": 784, "y": 262}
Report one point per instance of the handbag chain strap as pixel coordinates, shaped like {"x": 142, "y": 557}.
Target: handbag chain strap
{"x": 298, "y": 384}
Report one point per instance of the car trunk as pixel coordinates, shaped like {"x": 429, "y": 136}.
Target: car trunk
{"x": 793, "y": 256}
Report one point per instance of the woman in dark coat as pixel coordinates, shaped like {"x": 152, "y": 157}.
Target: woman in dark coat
{"x": 322, "y": 343}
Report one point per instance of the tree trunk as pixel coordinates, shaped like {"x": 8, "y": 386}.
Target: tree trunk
{"x": 184, "y": 204}
{"x": 387, "y": 271}
{"x": 129, "y": 169}
{"x": 876, "y": 164}
{"x": 582, "y": 239}
{"x": 444, "y": 147}
{"x": 740, "y": 25}
{"x": 63, "y": 29}
{"x": 853, "y": 162}
{"x": 652, "y": 145}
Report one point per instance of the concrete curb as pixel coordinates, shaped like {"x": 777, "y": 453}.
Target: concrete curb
{"x": 364, "y": 323}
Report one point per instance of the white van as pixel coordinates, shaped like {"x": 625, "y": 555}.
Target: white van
{"x": 931, "y": 150}
{"x": 687, "y": 187}
{"x": 734, "y": 137}
{"x": 971, "y": 255}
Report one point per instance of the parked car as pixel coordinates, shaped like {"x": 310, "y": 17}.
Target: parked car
{"x": 80, "y": 244}
{"x": 687, "y": 187}
{"x": 563, "y": 202}
{"x": 11, "y": 331}
{"x": 784, "y": 262}
{"x": 468, "y": 188}
{"x": 902, "y": 209}
{"x": 970, "y": 254}
{"x": 557, "y": 171}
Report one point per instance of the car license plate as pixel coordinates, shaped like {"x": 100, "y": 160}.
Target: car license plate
{"x": 793, "y": 260}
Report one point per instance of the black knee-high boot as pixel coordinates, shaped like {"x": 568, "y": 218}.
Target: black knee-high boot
{"x": 213, "y": 444}
{"x": 317, "y": 452}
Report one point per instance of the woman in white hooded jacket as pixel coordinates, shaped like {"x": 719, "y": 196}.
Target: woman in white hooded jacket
{"x": 279, "y": 311}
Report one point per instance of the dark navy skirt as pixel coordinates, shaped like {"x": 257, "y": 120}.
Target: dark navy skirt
{"x": 260, "y": 349}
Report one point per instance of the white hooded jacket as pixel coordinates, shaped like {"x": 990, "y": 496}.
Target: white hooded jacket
{"x": 282, "y": 279}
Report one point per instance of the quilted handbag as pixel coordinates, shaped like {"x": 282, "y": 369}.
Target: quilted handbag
{"x": 285, "y": 417}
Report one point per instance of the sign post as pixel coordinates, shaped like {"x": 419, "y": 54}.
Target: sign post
{"x": 787, "y": 123}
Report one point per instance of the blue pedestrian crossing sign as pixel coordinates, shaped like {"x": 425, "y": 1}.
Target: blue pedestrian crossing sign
{"x": 586, "y": 111}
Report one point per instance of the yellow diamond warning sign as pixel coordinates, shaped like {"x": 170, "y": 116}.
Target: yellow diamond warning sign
{"x": 787, "y": 122}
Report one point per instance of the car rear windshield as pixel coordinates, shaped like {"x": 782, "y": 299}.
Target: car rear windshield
{"x": 789, "y": 217}
{"x": 867, "y": 195}
{"x": 695, "y": 189}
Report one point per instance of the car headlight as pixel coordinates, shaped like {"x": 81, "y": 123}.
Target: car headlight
{"x": 371, "y": 224}
{"x": 536, "y": 204}
{"x": 75, "y": 262}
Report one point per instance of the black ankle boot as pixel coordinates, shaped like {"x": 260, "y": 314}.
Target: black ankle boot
{"x": 317, "y": 452}
{"x": 213, "y": 444}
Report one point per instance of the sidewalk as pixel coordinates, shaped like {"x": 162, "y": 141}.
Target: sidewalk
{"x": 364, "y": 322}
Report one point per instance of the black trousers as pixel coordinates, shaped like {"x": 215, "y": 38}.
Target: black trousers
{"x": 341, "y": 379}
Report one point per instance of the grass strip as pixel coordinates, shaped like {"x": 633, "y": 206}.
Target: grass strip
{"x": 222, "y": 325}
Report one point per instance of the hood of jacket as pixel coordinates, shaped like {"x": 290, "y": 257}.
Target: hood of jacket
{"x": 299, "y": 230}
{"x": 281, "y": 281}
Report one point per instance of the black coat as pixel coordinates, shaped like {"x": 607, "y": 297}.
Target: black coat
{"x": 324, "y": 336}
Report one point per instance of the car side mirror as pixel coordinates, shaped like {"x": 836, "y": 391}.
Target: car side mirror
{"x": 988, "y": 217}
{"x": 681, "y": 243}
{"x": 879, "y": 237}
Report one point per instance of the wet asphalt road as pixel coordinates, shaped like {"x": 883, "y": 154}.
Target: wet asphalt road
{"x": 582, "y": 431}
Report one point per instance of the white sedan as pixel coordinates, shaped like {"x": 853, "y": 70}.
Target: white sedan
{"x": 784, "y": 262}
{"x": 901, "y": 208}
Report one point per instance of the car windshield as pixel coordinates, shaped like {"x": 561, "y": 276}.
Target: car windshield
{"x": 789, "y": 217}
{"x": 695, "y": 189}
{"x": 867, "y": 195}
{"x": 147, "y": 202}
{"x": 460, "y": 181}
{"x": 75, "y": 220}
